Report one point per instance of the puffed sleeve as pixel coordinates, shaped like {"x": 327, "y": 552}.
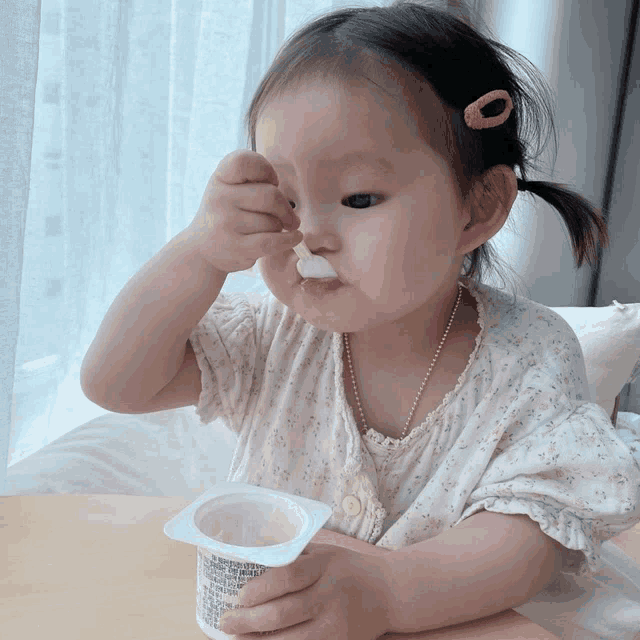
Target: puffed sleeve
{"x": 561, "y": 463}
{"x": 226, "y": 343}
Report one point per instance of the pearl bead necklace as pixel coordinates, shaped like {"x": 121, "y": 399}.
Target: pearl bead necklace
{"x": 415, "y": 404}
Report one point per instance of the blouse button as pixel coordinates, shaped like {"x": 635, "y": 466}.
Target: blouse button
{"x": 351, "y": 505}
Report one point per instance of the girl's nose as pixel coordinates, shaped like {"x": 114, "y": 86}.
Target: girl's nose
{"x": 318, "y": 225}
{"x": 322, "y": 243}
{"x": 319, "y": 236}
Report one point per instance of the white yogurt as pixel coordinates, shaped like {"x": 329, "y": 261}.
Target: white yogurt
{"x": 315, "y": 267}
{"x": 310, "y": 266}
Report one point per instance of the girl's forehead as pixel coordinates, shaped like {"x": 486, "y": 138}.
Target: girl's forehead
{"x": 358, "y": 103}
{"x": 358, "y": 115}
{"x": 378, "y": 90}
{"x": 317, "y": 132}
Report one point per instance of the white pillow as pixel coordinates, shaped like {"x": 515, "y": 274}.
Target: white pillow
{"x": 610, "y": 341}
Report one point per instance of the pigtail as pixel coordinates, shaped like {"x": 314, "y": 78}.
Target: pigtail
{"x": 585, "y": 223}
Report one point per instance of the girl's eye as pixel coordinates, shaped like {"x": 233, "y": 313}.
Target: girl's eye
{"x": 358, "y": 200}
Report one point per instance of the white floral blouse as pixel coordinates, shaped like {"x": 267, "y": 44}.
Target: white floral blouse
{"x": 518, "y": 434}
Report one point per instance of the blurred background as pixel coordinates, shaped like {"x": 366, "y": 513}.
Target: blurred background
{"x": 114, "y": 114}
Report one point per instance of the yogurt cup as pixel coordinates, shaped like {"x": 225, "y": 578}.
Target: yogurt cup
{"x": 241, "y": 530}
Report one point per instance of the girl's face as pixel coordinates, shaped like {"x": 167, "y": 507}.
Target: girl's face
{"x": 373, "y": 199}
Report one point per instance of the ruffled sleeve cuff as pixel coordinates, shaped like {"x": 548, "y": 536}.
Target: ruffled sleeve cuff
{"x": 224, "y": 343}
{"x": 581, "y": 555}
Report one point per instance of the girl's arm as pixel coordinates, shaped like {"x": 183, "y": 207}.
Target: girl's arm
{"x": 142, "y": 341}
{"x": 504, "y": 625}
{"x": 486, "y": 565}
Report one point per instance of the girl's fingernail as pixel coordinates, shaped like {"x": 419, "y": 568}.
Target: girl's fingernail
{"x": 242, "y": 597}
{"x": 225, "y": 624}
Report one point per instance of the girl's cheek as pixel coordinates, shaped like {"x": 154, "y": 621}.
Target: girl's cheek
{"x": 368, "y": 246}
{"x": 364, "y": 249}
{"x": 272, "y": 276}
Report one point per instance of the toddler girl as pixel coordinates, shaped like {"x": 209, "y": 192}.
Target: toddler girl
{"x": 404, "y": 393}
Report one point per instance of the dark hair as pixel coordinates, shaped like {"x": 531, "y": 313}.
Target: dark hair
{"x": 433, "y": 45}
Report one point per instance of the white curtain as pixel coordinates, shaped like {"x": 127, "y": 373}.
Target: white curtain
{"x": 19, "y": 26}
{"x": 113, "y": 115}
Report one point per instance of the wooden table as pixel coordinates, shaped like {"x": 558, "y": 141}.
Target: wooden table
{"x": 93, "y": 567}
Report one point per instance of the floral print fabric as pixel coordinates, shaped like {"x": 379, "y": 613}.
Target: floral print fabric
{"x": 518, "y": 434}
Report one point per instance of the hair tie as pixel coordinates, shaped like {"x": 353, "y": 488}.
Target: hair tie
{"x": 474, "y": 118}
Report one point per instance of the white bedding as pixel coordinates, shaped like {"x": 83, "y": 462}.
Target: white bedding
{"x": 167, "y": 453}
{"x": 628, "y": 428}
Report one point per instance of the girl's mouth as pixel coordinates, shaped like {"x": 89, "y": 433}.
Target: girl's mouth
{"x": 320, "y": 286}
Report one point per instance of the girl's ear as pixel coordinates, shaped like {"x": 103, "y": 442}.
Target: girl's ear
{"x": 488, "y": 205}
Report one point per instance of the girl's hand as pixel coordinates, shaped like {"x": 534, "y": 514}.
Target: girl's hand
{"x": 327, "y": 593}
{"x": 243, "y": 213}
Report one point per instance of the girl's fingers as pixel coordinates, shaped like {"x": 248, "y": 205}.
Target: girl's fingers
{"x": 263, "y": 201}
{"x": 279, "y": 581}
{"x": 272, "y": 243}
{"x": 242, "y": 166}
{"x": 288, "y": 611}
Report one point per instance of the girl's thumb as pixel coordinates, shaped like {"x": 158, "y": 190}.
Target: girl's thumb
{"x": 243, "y": 165}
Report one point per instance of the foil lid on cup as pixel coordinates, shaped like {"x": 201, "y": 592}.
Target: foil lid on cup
{"x": 246, "y": 523}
